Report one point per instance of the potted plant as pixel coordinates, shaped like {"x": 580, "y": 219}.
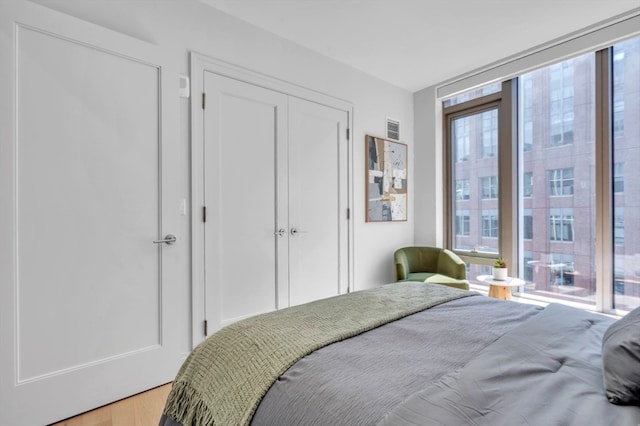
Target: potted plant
{"x": 500, "y": 269}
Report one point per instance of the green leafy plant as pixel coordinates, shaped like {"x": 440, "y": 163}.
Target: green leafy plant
{"x": 500, "y": 263}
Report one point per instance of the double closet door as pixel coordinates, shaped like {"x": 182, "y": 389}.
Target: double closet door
{"x": 275, "y": 178}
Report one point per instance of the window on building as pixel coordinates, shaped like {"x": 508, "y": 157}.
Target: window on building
{"x": 463, "y": 227}
{"x": 560, "y": 182}
{"x": 527, "y": 273}
{"x": 526, "y": 117}
{"x": 561, "y": 93}
{"x": 618, "y": 227}
{"x": 561, "y": 271}
{"x": 462, "y": 189}
{"x": 488, "y": 187}
{"x": 527, "y": 225}
{"x": 490, "y": 133}
{"x": 527, "y": 184}
{"x": 618, "y": 178}
{"x": 561, "y": 225}
{"x": 490, "y": 223}
{"x": 618, "y": 71}
{"x": 462, "y": 137}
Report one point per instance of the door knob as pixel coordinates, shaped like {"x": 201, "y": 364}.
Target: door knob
{"x": 280, "y": 232}
{"x": 169, "y": 239}
{"x": 296, "y": 231}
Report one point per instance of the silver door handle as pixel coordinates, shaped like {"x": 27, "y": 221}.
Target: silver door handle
{"x": 169, "y": 239}
{"x": 280, "y": 232}
{"x": 295, "y": 231}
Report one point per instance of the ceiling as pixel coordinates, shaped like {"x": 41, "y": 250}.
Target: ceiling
{"x": 414, "y": 44}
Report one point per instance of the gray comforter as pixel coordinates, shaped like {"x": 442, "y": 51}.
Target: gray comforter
{"x": 359, "y": 380}
{"x": 546, "y": 371}
{"x": 471, "y": 361}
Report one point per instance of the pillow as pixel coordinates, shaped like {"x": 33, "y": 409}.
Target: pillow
{"x": 621, "y": 360}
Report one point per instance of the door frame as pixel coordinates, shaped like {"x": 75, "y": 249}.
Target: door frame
{"x": 199, "y": 64}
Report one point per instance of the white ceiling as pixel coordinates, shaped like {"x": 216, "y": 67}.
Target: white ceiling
{"x": 414, "y": 44}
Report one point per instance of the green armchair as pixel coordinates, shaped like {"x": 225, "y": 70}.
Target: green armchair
{"x": 430, "y": 265}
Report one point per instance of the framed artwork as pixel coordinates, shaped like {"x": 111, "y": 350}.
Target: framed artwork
{"x": 386, "y": 180}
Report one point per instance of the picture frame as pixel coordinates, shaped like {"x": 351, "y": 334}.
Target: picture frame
{"x": 386, "y": 180}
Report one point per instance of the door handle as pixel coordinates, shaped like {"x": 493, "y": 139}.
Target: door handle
{"x": 169, "y": 239}
{"x": 295, "y": 231}
{"x": 280, "y": 232}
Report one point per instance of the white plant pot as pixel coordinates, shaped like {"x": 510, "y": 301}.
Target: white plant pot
{"x": 500, "y": 274}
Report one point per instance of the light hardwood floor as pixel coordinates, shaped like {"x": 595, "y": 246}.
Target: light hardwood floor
{"x": 143, "y": 409}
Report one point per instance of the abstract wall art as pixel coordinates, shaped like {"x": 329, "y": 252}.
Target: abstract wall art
{"x": 386, "y": 180}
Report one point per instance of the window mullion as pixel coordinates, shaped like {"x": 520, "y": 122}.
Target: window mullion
{"x": 604, "y": 253}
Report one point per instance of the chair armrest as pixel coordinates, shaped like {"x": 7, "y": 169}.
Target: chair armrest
{"x": 451, "y": 265}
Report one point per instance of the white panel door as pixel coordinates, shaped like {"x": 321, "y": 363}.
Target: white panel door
{"x": 85, "y": 291}
{"x": 244, "y": 146}
{"x": 318, "y": 200}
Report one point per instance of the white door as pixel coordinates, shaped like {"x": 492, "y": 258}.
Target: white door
{"x": 318, "y": 199}
{"x": 85, "y": 297}
{"x": 244, "y": 152}
{"x": 274, "y": 177}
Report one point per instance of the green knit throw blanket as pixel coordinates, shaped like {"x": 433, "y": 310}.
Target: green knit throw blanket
{"x": 225, "y": 377}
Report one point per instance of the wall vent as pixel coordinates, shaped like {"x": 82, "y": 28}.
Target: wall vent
{"x": 393, "y": 129}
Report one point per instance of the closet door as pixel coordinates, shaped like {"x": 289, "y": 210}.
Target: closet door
{"x": 244, "y": 158}
{"x": 318, "y": 200}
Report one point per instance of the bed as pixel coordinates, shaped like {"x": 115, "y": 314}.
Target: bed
{"x": 414, "y": 354}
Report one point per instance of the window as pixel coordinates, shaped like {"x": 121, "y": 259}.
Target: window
{"x": 618, "y": 227}
{"x": 473, "y": 94}
{"x": 618, "y": 178}
{"x": 490, "y": 134}
{"x": 563, "y": 108}
{"x": 526, "y": 107}
{"x": 560, "y": 182}
{"x": 488, "y": 187}
{"x": 619, "y": 53}
{"x": 561, "y": 91}
{"x": 462, "y": 223}
{"x": 561, "y": 272}
{"x": 527, "y": 184}
{"x": 561, "y": 225}
{"x": 473, "y": 182}
{"x": 561, "y": 143}
{"x": 490, "y": 223}
{"x": 625, "y": 96}
{"x": 527, "y": 274}
{"x": 462, "y": 189}
{"x": 527, "y": 226}
{"x": 462, "y": 137}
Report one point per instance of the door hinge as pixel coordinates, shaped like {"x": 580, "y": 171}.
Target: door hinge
{"x": 206, "y": 328}
{"x": 348, "y": 214}
{"x": 204, "y": 213}
{"x": 348, "y": 133}
{"x": 204, "y": 100}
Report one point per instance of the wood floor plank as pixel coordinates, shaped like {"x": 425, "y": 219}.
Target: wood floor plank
{"x": 143, "y": 409}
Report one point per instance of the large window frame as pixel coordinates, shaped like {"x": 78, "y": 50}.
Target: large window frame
{"x": 506, "y": 101}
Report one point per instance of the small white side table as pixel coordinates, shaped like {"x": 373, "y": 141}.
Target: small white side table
{"x": 500, "y": 289}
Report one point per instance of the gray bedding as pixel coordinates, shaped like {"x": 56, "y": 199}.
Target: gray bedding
{"x": 359, "y": 380}
{"x": 547, "y": 371}
{"x": 470, "y": 361}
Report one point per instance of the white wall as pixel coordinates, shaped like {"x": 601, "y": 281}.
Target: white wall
{"x": 182, "y": 26}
